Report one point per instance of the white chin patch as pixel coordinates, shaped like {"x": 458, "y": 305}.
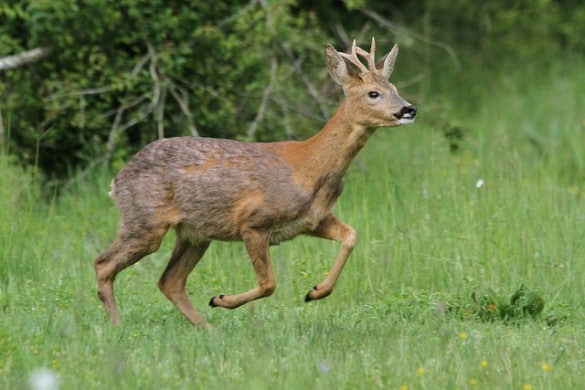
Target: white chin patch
{"x": 405, "y": 121}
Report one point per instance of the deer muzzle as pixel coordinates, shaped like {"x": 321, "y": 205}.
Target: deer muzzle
{"x": 406, "y": 114}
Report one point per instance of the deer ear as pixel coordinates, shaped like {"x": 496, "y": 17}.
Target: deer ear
{"x": 339, "y": 70}
{"x": 386, "y": 63}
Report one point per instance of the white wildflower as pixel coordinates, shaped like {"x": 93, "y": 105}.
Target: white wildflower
{"x": 44, "y": 379}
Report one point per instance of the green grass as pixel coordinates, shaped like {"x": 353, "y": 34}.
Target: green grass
{"x": 402, "y": 313}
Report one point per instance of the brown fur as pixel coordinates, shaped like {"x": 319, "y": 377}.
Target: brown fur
{"x": 259, "y": 193}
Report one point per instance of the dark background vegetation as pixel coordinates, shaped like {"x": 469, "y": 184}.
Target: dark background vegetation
{"x": 120, "y": 74}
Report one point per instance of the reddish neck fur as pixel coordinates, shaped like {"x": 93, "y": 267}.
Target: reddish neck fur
{"x": 328, "y": 154}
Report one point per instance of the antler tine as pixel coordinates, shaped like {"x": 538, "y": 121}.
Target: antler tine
{"x": 370, "y": 57}
{"x": 353, "y": 58}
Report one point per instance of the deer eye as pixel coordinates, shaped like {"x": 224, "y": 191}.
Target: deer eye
{"x": 373, "y": 94}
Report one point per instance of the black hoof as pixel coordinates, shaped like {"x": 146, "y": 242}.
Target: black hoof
{"x": 308, "y": 296}
{"x": 213, "y": 304}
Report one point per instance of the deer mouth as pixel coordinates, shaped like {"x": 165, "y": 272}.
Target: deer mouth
{"x": 406, "y": 115}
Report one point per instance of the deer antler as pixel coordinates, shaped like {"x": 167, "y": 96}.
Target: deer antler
{"x": 353, "y": 56}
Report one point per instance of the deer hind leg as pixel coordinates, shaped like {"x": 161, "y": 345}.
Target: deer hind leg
{"x": 333, "y": 229}
{"x": 257, "y": 245}
{"x": 185, "y": 257}
{"x": 126, "y": 250}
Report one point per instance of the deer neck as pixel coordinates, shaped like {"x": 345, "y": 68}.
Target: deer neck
{"x": 326, "y": 156}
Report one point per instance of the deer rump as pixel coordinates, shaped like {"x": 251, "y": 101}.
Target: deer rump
{"x": 211, "y": 189}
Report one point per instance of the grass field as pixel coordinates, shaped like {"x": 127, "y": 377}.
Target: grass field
{"x": 442, "y": 235}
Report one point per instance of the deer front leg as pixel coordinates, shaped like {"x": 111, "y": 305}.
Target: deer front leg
{"x": 257, "y": 244}
{"x": 333, "y": 229}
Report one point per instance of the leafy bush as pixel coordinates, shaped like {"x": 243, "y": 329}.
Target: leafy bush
{"x": 122, "y": 74}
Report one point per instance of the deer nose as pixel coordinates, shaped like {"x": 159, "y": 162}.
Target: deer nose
{"x": 407, "y": 112}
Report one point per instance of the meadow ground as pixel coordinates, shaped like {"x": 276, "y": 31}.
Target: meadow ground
{"x": 445, "y": 239}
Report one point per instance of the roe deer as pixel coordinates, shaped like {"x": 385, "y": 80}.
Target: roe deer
{"x": 259, "y": 193}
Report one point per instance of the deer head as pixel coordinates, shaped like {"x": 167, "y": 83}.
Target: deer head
{"x": 374, "y": 100}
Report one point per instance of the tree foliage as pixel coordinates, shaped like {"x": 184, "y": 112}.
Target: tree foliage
{"x": 121, "y": 74}
{"x": 124, "y": 73}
